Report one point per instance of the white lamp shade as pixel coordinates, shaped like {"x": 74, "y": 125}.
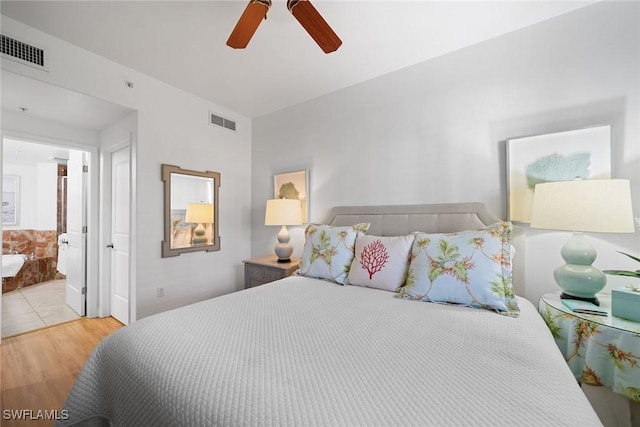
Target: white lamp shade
{"x": 592, "y": 205}
{"x": 283, "y": 212}
{"x": 199, "y": 213}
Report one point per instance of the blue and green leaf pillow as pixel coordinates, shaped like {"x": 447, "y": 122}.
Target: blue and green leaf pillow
{"x": 328, "y": 251}
{"x": 472, "y": 268}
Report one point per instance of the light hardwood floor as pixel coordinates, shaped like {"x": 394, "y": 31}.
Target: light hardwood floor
{"x": 39, "y": 368}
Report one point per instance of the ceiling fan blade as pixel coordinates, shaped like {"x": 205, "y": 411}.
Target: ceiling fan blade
{"x": 248, "y": 23}
{"x": 315, "y": 24}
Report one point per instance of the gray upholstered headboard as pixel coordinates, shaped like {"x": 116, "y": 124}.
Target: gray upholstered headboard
{"x": 398, "y": 220}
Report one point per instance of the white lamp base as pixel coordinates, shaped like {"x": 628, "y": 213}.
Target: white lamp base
{"x": 199, "y": 236}
{"x": 283, "y": 249}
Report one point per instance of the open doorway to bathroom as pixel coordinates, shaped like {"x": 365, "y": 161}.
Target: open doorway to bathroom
{"x": 44, "y": 114}
{"x": 35, "y": 228}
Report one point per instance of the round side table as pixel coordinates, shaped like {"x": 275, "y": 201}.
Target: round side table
{"x": 602, "y": 351}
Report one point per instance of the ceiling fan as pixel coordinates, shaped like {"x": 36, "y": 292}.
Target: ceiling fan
{"x": 302, "y": 10}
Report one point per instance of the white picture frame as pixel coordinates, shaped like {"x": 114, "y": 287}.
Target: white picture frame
{"x": 563, "y": 156}
{"x": 10, "y": 199}
{"x": 293, "y": 185}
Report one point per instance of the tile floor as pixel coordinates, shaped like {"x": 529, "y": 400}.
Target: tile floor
{"x": 35, "y": 307}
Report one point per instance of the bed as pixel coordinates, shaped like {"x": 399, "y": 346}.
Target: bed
{"x": 308, "y": 352}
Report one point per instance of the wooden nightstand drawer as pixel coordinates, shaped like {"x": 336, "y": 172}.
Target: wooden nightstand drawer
{"x": 255, "y": 271}
{"x": 258, "y": 271}
{"x": 271, "y": 274}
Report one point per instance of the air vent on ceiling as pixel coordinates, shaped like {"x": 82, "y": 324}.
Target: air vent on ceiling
{"x": 214, "y": 119}
{"x": 24, "y": 53}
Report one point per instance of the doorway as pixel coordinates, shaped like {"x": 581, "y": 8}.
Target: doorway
{"x": 87, "y": 124}
{"x": 47, "y": 198}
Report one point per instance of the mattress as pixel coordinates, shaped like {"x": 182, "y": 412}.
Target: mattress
{"x": 305, "y": 352}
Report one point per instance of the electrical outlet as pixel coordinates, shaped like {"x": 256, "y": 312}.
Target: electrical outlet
{"x": 160, "y": 291}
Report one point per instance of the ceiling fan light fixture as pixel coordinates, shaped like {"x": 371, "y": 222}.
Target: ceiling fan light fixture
{"x": 248, "y": 23}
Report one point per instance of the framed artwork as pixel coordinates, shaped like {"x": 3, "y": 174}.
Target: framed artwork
{"x": 293, "y": 185}
{"x": 562, "y": 156}
{"x": 10, "y": 197}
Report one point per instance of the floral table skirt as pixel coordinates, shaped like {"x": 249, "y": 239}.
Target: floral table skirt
{"x": 601, "y": 351}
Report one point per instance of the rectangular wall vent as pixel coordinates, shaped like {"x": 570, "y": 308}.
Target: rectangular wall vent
{"x": 217, "y": 120}
{"x": 22, "y": 52}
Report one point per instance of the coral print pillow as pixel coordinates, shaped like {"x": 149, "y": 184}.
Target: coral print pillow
{"x": 328, "y": 251}
{"x": 472, "y": 268}
{"x": 380, "y": 262}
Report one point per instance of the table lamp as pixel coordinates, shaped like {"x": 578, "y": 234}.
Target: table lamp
{"x": 199, "y": 213}
{"x": 593, "y": 205}
{"x": 283, "y": 212}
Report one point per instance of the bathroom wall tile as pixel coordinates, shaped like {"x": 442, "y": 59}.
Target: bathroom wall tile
{"x": 22, "y": 241}
{"x": 40, "y": 249}
{"x": 39, "y": 244}
{"x": 10, "y": 283}
{"x": 46, "y": 243}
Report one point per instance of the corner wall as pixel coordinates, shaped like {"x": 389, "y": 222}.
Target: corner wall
{"x": 435, "y": 132}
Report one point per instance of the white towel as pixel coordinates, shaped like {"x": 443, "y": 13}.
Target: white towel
{"x": 62, "y": 253}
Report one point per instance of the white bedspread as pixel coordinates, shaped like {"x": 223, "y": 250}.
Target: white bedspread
{"x": 300, "y": 352}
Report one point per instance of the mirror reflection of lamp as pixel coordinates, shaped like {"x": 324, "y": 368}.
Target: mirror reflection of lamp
{"x": 283, "y": 212}
{"x": 199, "y": 213}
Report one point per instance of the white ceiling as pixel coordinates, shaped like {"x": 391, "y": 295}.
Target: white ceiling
{"x": 23, "y": 95}
{"x": 183, "y": 42}
{"x": 57, "y": 104}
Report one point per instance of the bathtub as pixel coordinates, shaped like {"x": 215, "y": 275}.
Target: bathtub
{"x": 11, "y": 264}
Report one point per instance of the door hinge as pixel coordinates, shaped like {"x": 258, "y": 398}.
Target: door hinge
{"x": 84, "y": 228}
{"x": 85, "y": 168}
{"x": 84, "y": 290}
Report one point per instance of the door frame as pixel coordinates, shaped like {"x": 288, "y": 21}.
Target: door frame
{"x": 93, "y": 197}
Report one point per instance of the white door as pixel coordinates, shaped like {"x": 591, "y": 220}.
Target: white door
{"x": 76, "y": 231}
{"x": 120, "y": 205}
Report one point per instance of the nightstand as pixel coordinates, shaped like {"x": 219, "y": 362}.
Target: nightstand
{"x": 602, "y": 352}
{"x": 258, "y": 271}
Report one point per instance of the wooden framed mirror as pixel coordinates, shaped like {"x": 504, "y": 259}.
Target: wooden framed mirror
{"x": 190, "y": 211}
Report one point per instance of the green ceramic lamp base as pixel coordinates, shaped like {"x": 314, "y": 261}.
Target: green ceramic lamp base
{"x": 578, "y": 278}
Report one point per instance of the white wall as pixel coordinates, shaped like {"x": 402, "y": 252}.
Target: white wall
{"x": 46, "y": 196}
{"x": 435, "y": 132}
{"x": 28, "y": 127}
{"x": 172, "y": 128}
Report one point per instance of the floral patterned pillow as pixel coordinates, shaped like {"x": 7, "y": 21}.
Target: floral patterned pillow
{"x": 471, "y": 268}
{"x": 328, "y": 251}
{"x": 380, "y": 262}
